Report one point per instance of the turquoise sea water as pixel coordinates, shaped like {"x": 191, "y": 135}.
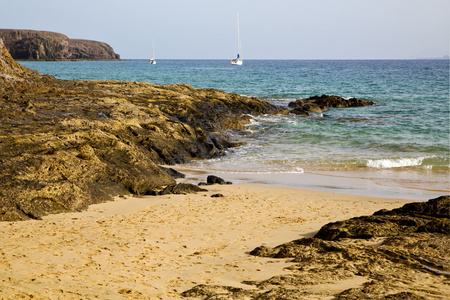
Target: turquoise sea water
{"x": 407, "y": 132}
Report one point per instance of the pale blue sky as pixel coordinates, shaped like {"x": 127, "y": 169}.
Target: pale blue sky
{"x": 270, "y": 29}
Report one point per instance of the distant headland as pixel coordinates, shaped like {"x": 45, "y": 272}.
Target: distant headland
{"x": 46, "y": 45}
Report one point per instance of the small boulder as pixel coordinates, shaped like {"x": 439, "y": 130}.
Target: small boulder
{"x": 212, "y": 179}
{"x": 180, "y": 188}
{"x": 217, "y": 196}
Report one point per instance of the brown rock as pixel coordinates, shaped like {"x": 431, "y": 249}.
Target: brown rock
{"x": 430, "y": 216}
{"x": 180, "y": 188}
{"x": 401, "y": 264}
{"x": 46, "y": 45}
{"x": 217, "y": 196}
{"x": 67, "y": 144}
{"x": 300, "y": 111}
{"x": 87, "y": 49}
{"x": 212, "y": 179}
{"x": 321, "y": 103}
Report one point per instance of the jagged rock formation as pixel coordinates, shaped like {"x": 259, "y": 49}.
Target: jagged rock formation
{"x": 431, "y": 216}
{"x": 45, "y": 45}
{"x": 66, "y": 144}
{"x": 13, "y": 76}
{"x": 318, "y": 104}
{"x": 397, "y": 254}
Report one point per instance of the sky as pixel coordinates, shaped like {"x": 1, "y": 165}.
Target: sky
{"x": 270, "y": 29}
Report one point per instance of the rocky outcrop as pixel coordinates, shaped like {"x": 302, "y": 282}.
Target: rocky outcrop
{"x": 431, "y": 216}
{"x": 66, "y": 144}
{"x": 318, "y": 104}
{"x": 397, "y": 254}
{"x": 45, "y": 45}
{"x": 212, "y": 179}
{"x": 86, "y": 49}
{"x": 13, "y": 76}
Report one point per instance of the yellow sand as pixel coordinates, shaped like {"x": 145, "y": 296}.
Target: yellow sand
{"x": 157, "y": 247}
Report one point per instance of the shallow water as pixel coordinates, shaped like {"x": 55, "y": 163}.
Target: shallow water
{"x": 406, "y": 135}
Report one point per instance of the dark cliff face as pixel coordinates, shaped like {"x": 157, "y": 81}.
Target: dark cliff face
{"x": 45, "y": 45}
{"x": 82, "y": 49}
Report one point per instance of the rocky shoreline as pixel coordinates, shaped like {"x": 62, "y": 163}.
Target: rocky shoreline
{"x": 66, "y": 144}
{"x": 397, "y": 252}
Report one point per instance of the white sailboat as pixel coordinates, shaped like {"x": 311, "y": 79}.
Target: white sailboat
{"x": 238, "y": 59}
{"x": 153, "y": 61}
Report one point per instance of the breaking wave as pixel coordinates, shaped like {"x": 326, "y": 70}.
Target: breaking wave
{"x": 394, "y": 163}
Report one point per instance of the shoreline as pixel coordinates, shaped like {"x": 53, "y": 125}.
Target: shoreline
{"x": 157, "y": 247}
{"x": 160, "y": 246}
{"x": 372, "y": 184}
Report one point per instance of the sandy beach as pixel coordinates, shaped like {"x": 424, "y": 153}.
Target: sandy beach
{"x": 156, "y": 247}
{"x": 302, "y": 162}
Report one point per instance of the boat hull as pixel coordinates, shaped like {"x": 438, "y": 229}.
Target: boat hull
{"x": 237, "y": 62}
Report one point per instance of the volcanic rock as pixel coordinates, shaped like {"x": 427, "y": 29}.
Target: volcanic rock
{"x": 406, "y": 257}
{"x": 212, "y": 179}
{"x": 66, "y": 144}
{"x": 321, "y": 103}
{"x": 300, "y": 111}
{"x": 431, "y": 216}
{"x": 91, "y": 50}
{"x": 46, "y": 45}
{"x": 217, "y": 195}
{"x": 174, "y": 173}
{"x": 180, "y": 188}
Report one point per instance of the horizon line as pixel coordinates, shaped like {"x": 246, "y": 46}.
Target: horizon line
{"x": 426, "y": 58}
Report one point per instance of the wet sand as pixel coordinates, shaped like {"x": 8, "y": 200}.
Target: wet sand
{"x": 402, "y": 184}
{"x": 155, "y": 247}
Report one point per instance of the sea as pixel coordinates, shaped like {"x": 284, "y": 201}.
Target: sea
{"x": 396, "y": 148}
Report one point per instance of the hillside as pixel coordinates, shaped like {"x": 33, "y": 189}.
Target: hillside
{"x": 45, "y": 45}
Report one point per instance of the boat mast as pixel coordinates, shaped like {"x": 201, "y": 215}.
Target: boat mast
{"x": 238, "y": 59}
{"x": 239, "y": 37}
{"x": 153, "y": 49}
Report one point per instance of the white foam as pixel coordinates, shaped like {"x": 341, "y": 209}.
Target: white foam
{"x": 394, "y": 163}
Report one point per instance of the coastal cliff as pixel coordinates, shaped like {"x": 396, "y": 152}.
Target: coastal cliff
{"x": 67, "y": 144}
{"x": 45, "y": 45}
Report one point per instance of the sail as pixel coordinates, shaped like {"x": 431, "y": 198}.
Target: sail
{"x": 238, "y": 60}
